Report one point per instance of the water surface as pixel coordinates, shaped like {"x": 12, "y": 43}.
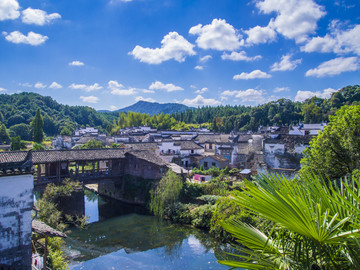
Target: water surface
{"x": 122, "y": 236}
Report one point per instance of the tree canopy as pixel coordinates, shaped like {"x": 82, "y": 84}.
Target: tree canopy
{"x": 335, "y": 152}
{"x": 37, "y": 125}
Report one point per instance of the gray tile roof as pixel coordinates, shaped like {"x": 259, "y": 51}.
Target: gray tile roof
{"x": 189, "y": 145}
{"x": 44, "y": 229}
{"x": 148, "y": 155}
{"x": 213, "y": 138}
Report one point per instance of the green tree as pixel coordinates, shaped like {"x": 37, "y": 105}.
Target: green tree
{"x": 4, "y": 135}
{"x": 166, "y": 193}
{"x": 93, "y": 144}
{"x": 37, "y": 125}
{"x": 22, "y": 130}
{"x": 17, "y": 144}
{"x": 336, "y": 151}
{"x": 309, "y": 226}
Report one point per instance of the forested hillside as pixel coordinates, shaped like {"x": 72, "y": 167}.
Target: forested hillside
{"x": 18, "y": 110}
{"x": 280, "y": 112}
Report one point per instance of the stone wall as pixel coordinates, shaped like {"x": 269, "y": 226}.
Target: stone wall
{"x": 16, "y": 202}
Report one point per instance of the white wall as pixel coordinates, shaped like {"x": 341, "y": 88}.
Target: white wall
{"x": 16, "y": 200}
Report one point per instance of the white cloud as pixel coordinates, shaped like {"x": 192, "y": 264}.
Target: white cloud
{"x": 9, "y": 10}
{"x": 285, "y": 63}
{"x": 281, "y": 89}
{"x": 256, "y": 74}
{"x": 2, "y": 89}
{"x": 38, "y": 16}
{"x": 200, "y": 101}
{"x": 140, "y": 98}
{"x": 219, "y": 35}
{"x": 117, "y": 89}
{"x": 113, "y": 108}
{"x": 147, "y": 91}
{"x": 76, "y": 63}
{"x": 199, "y": 67}
{"x": 25, "y": 84}
{"x": 337, "y": 41}
{"x": 334, "y": 67}
{"x": 39, "y": 85}
{"x": 205, "y": 58}
{"x": 167, "y": 87}
{"x": 249, "y": 95}
{"x": 174, "y": 46}
{"x": 239, "y": 56}
{"x": 55, "y": 85}
{"x": 303, "y": 95}
{"x": 87, "y": 88}
{"x": 295, "y": 19}
{"x": 32, "y": 38}
{"x": 201, "y": 91}
{"x": 90, "y": 99}
{"x": 258, "y": 34}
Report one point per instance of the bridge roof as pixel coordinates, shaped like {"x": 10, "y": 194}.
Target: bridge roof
{"x": 48, "y": 156}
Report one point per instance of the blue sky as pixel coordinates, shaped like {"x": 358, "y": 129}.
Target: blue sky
{"x": 108, "y": 54}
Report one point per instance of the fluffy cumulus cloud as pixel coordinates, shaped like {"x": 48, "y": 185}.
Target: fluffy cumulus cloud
{"x": 9, "y": 10}
{"x": 201, "y": 91}
{"x": 31, "y": 38}
{"x": 239, "y": 56}
{"x": 38, "y": 16}
{"x": 140, "y": 98}
{"x": 87, "y": 88}
{"x": 200, "y": 101}
{"x": 55, "y": 85}
{"x": 118, "y": 89}
{"x": 258, "y": 34}
{"x": 90, "y": 99}
{"x": 76, "y": 63}
{"x": 173, "y": 46}
{"x": 219, "y": 35}
{"x": 39, "y": 85}
{"x": 334, "y": 67}
{"x": 199, "y": 67}
{"x": 2, "y": 89}
{"x": 169, "y": 87}
{"x": 295, "y": 19}
{"x": 256, "y": 74}
{"x": 249, "y": 95}
{"x": 303, "y": 95}
{"x": 337, "y": 41}
{"x": 286, "y": 63}
{"x": 113, "y": 108}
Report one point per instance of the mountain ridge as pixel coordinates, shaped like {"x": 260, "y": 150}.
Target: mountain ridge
{"x": 152, "y": 108}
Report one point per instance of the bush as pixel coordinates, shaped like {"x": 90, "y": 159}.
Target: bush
{"x": 201, "y": 216}
{"x": 209, "y": 199}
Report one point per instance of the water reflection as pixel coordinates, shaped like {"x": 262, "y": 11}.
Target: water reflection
{"x": 123, "y": 236}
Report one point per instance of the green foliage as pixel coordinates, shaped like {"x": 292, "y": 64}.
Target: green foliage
{"x": 38, "y": 146}
{"x": 201, "y": 216}
{"x": 4, "y": 135}
{"x": 209, "y": 199}
{"x": 227, "y": 210}
{"x": 17, "y": 144}
{"x": 93, "y": 144}
{"x": 312, "y": 226}
{"x": 22, "y": 130}
{"x": 190, "y": 191}
{"x": 166, "y": 193}
{"x": 66, "y": 131}
{"x": 57, "y": 258}
{"x": 336, "y": 151}
{"x": 37, "y": 127}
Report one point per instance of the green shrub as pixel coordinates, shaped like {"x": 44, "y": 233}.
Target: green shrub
{"x": 201, "y": 216}
{"x": 209, "y": 199}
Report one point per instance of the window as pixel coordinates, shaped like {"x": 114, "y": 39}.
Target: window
{"x": 307, "y": 132}
{"x": 205, "y": 164}
{"x": 210, "y": 145}
{"x": 213, "y": 164}
{"x": 192, "y": 151}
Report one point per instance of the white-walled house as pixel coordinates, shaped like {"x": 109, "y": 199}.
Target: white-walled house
{"x": 87, "y": 130}
{"x": 307, "y": 129}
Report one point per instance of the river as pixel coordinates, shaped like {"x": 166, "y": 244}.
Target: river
{"x": 122, "y": 236}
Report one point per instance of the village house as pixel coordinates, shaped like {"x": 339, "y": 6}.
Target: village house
{"x": 88, "y": 130}
{"x": 213, "y": 161}
{"x": 307, "y": 129}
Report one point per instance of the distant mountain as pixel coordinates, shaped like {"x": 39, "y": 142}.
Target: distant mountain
{"x": 153, "y": 108}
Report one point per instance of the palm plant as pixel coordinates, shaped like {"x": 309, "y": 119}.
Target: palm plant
{"x": 313, "y": 226}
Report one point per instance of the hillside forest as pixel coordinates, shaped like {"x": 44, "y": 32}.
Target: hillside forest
{"x": 17, "y": 111}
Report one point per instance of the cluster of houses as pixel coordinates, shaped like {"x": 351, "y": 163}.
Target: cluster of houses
{"x": 271, "y": 149}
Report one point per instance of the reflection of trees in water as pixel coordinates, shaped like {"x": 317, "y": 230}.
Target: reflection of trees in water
{"x": 90, "y": 195}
